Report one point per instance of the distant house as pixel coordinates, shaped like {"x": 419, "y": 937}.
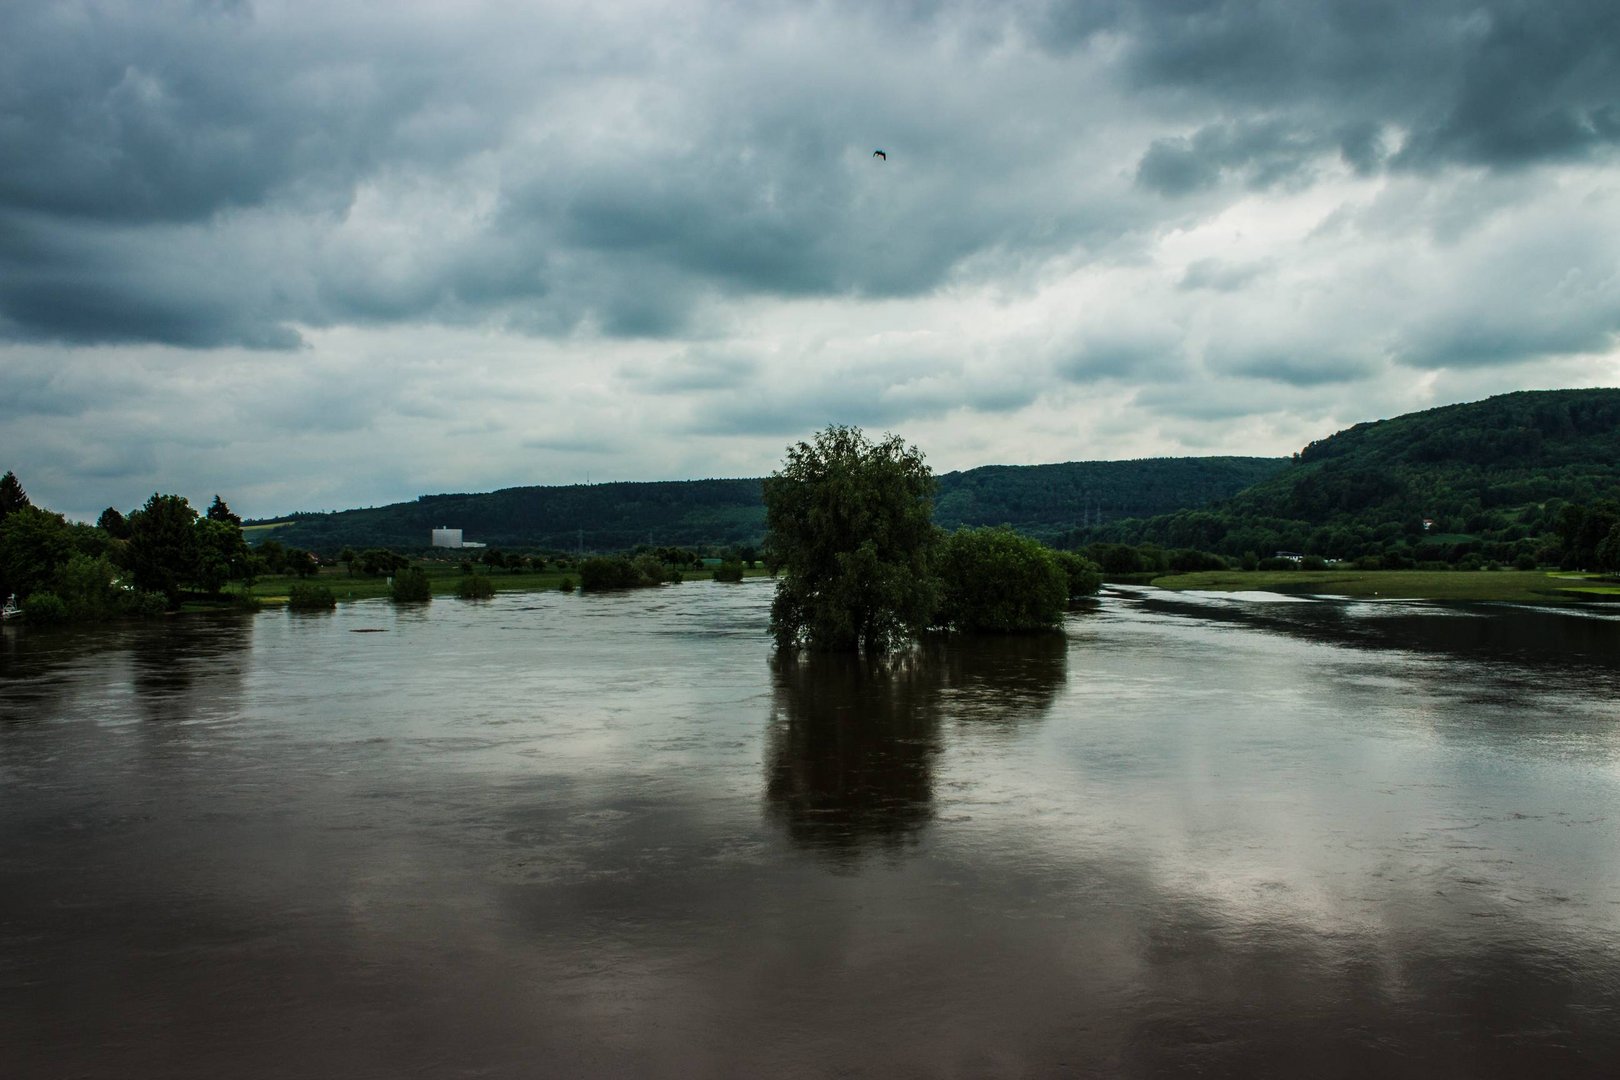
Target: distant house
{"x": 447, "y": 538}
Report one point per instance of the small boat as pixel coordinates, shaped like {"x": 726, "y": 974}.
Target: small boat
{"x": 11, "y": 610}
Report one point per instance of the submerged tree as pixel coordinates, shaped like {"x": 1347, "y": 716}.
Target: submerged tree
{"x": 995, "y": 581}
{"x": 849, "y": 524}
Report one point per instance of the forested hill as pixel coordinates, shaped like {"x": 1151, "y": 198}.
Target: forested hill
{"x": 1487, "y": 471}
{"x": 1041, "y": 500}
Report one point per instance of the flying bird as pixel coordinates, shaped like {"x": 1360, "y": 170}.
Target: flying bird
{"x": 880, "y": 154}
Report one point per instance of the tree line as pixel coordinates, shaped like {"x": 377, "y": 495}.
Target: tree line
{"x": 138, "y": 564}
{"x": 1459, "y": 486}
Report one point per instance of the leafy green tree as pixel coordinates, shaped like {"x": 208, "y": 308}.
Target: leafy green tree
{"x": 1606, "y": 556}
{"x": 163, "y": 545}
{"x": 34, "y": 545}
{"x": 113, "y": 523}
{"x": 274, "y": 555}
{"x": 375, "y": 562}
{"x": 12, "y": 495}
{"x": 88, "y": 586}
{"x": 221, "y": 554}
{"x": 218, "y": 511}
{"x": 849, "y": 526}
{"x": 995, "y": 581}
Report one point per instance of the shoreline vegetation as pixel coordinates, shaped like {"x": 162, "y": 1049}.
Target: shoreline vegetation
{"x": 1541, "y": 587}
{"x": 1515, "y": 499}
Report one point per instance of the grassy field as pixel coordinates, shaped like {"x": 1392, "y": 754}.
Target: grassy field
{"x": 1516, "y": 586}
{"x": 274, "y": 590}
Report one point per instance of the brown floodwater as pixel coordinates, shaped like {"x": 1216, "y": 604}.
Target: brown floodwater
{"x": 558, "y": 835}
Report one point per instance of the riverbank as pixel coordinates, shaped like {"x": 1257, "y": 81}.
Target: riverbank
{"x": 1507, "y": 586}
{"x": 443, "y": 579}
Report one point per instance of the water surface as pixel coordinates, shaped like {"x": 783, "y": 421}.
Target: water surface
{"x": 574, "y": 835}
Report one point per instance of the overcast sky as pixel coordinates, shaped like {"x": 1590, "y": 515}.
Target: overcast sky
{"x": 322, "y": 255}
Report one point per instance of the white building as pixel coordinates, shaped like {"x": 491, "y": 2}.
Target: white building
{"x": 447, "y": 538}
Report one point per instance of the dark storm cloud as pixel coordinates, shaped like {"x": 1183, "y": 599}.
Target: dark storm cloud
{"x": 871, "y": 398}
{"x": 127, "y": 125}
{"x": 1127, "y": 354}
{"x": 165, "y": 112}
{"x": 1498, "y": 84}
{"x": 1297, "y": 368}
{"x": 208, "y": 174}
{"x": 1263, "y": 154}
{"x": 39, "y": 387}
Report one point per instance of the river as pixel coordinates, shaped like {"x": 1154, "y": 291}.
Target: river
{"x": 568, "y": 835}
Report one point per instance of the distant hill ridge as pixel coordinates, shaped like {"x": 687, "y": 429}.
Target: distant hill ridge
{"x": 1046, "y": 501}
{"x": 1486, "y": 470}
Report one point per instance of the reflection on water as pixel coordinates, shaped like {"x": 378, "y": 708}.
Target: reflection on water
{"x": 853, "y": 740}
{"x": 555, "y": 835}
{"x": 851, "y": 750}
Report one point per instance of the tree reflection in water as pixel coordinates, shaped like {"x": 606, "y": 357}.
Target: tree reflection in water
{"x": 853, "y": 741}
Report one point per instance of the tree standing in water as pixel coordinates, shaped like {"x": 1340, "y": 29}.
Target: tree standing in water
{"x": 849, "y": 523}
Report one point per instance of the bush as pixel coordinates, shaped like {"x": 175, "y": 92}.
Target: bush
{"x": 304, "y": 597}
{"x": 729, "y": 571}
{"x": 995, "y": 581}
{"x": 1278, "y": 563}
{"x": 649, "y": 571}
{"x": 608, "y": 572}
{"x": 1084, "y": 576}
{"x": 1525, "y": 561}
{"x": 1117, "y": 559}
{"x": 475, "y": 587}
{"x": 87, "y": 586}
{"x": 411, "y": 586}
{"x": 44, "y": 607}
{"x": 147, "y": 605}
{"x": 1313, "y": 562}
{"x": 566, "y": 585}
{"x": 1191, "y": 561}
{"x": 375, "y": 562}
